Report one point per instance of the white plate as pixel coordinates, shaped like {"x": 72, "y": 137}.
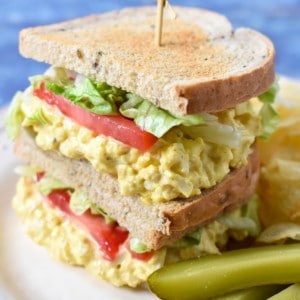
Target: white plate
{"x": 27, "y": 272}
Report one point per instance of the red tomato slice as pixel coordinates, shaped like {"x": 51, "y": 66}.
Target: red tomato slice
{"x": 39, "y": 175}
{"x": 117, "y": 127}
{"x": 109, "y": 237}
{"x": 141, "y": 256}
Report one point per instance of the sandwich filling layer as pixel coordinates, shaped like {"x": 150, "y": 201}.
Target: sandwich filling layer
{"x": 185, "y": 160}
{"x": 69, "y": 242}
{"x": 49, "y": 223}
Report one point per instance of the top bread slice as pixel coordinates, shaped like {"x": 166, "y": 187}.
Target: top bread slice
{"x": 156, "y": 225}
{"x": 203, "y": 64}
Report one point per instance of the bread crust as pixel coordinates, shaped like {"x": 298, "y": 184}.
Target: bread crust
{"x": 203, "y": 65}
{"x": 156, "y": 225}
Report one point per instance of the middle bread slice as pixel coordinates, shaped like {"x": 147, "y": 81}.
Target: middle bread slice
{"x": 156, "y": 225}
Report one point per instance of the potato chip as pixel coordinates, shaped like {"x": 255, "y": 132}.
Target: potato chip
{"x": 279, "y": 189}
{"x": 279, "y": 186}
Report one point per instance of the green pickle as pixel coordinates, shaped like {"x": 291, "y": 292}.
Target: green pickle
{"x": 216, "y": 275}
{"x": 290, "y": 293}
{"x": 254, "y": 293}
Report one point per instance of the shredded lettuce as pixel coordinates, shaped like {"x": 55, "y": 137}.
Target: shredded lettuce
{"x": 270, "y": 120}
{"x": 270, "y": 95}
{"x": 217, "y": 133}
{"x": 246, "y": 220}
{"x": 269, "y": 115}
{"x": 47, "y": 184}
{"x": 250, "y": 211}
{"x": 38, "y": 118}
{"x": 27, "y": 171}
{"x": 153, "y": 119}
{"x": 188, "y": 240}
{"x": 207, "y": 240}
{"x": 79, "y": 204}
{"x": 14, "y": 117}
{"x": 103, "y": 99}
{"x": 238, "y": 224}
{"x": 137, "y": 246}
{"x": 99, "y": 98}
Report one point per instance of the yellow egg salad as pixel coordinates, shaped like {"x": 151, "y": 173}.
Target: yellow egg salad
{"x": 186, "y": 158}
{"x": 49, "y": 227}
{"x": 70, "y": 243}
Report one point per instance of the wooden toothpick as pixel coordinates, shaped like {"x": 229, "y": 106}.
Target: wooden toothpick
{"x": 159, "y": 21}
{"x": 160, "y": 17}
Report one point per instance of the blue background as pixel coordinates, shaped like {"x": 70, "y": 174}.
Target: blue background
{"x": 279, "y": 19}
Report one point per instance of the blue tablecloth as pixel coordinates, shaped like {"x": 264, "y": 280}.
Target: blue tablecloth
{"x": 279, "y": 19}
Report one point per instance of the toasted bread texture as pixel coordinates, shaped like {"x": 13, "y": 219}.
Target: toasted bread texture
{"x": 203, "y": 64}
{"x": 156, "y": 225}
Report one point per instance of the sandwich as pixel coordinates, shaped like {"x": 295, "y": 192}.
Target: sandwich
{"x": 136, "y": 155}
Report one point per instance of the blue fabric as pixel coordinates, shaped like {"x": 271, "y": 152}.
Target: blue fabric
{"x": 279, "y": 19}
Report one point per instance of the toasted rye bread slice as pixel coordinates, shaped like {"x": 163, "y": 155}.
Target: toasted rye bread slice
{"x": 155, "y": 225}
{"x": 202, "y": 66}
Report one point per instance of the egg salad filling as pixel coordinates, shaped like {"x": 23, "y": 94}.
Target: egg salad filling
{"x": 68, "y": 242}
{"x": 189, "y": 153}
{"x": 48, "y": 226}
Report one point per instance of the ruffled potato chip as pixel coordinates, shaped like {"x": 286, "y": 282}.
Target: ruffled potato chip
{"x": 279, "y": 190}
{"x": 285, "y": 141}
{"x": 279, "y": 186}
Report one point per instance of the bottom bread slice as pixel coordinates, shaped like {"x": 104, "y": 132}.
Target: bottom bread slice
{"x": 155, "y": 225}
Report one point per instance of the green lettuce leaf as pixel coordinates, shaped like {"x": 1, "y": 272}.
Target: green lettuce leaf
{"x": 270, "y": 120}
{"x": 103, "y": 99}
{"x": 38, "y": 118}
{"x": 216, "y": 132}
{"x": 79, "y": 204}
{"x": 250, "y": 210}
{"x": 270, "y": 95}
{"x": 14, "y": 117}
{"x": 137, "y": 246}
{"x": 99, "y": 98}
{"x": 247, "y": 220}
{"x": 153, "y": 119}
{"x": 27, "y": 170}
{"x": 47, "y": 184}
{"x": 269, "y": 115}
{"x": 211, "y": 238}
{"x": 189, "y": 240}
{"x": 239, "y": 223}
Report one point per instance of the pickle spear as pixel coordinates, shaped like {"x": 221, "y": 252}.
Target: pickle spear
{"x": 258, "y": 293}
{"x": 216, "y": 275}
